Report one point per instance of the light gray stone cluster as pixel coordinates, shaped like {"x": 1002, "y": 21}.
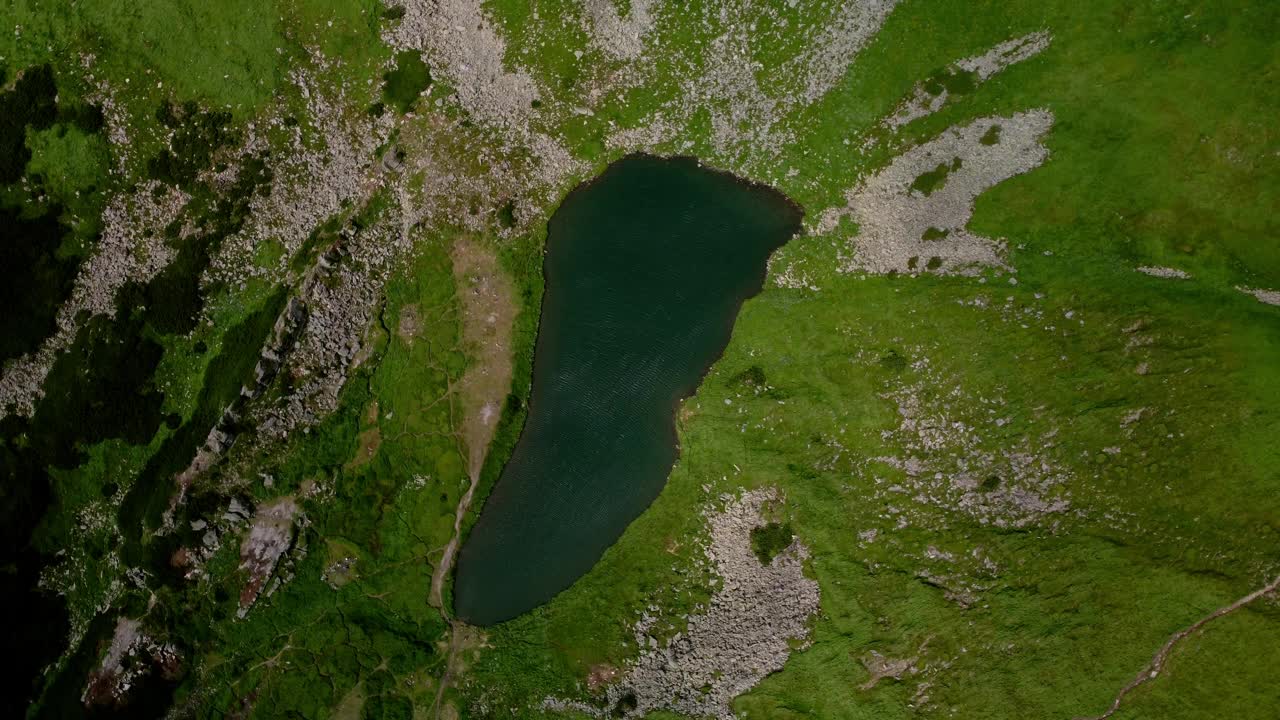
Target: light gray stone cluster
{"x": 340, "y": 296}
{"x": 132, "y": 248}
{"x": 462, "y": 47}
{"x": 909, "y": 231}
{"x": 748, "y": 105}
{"x": 922, "y": 102}
{"x": 324, "y": 169}
{"x": 1164, "y": 272}
{"x": 754, "y": 620}
{"x": 113, "y": 113}
{"x": 619, "y": 36}
{"x": 947, "y": 464}
{"x": 1005, "y": 54}
{"x": 1269, "y": 297}
{"x": 827, "y": 57}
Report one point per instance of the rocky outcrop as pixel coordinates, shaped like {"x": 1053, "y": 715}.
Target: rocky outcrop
{"x": 340, "y": 298}
{"x": 619, "y": 36}
{"x": 747, "y": 103}
{"x": 1167, "y": 273}
{"x": 759, "y": 614}
{"x": 133, "y": 654}
{"x": 1268, "y": 297}
{"x": 132, "y": 248}
{"x": 268, "y": 538}
{"x": 928, "y": 98}
{"x": 908, "y": 225}
{"x": 465, "y": 50}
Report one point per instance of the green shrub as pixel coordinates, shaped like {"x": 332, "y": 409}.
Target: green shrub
{"x": 769, "y": 540}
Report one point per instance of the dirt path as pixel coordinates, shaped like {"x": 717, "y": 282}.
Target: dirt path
{"x": 436, "y": 597}
{"x": 1157, "y": 663}
{"x": 464, "y": 638}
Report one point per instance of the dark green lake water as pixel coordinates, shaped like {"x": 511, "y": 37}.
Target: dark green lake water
{"x": 645, "y": 271}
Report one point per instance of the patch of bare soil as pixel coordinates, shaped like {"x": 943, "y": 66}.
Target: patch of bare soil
{"x": 881, "y": 667}
{"x": 488, "y": 302}
{"x": 489, "y": 309}
{"x": 601, "y": 675}
{"x": 268, "y": 538}
{"x": 465, "y": 643}
{"x": 370, "y": 441}
{"x": 352, "y": 704}
{"x": 410, "y": 324}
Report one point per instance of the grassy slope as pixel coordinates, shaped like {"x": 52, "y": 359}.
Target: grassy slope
{"x": 224, "y": 53}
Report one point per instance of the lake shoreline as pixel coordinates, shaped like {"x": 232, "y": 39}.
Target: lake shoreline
{"x": 786, "y": 214}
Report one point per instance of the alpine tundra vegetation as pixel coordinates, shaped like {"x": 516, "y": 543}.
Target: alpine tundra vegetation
{"x": 930, "y": 369}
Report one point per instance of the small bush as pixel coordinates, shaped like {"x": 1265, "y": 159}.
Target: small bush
{"x": 753, "y": 377}
{"x": 930, "y": 181}
{"x": 406, "y": 82}
{"x": 770, "y": 540}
